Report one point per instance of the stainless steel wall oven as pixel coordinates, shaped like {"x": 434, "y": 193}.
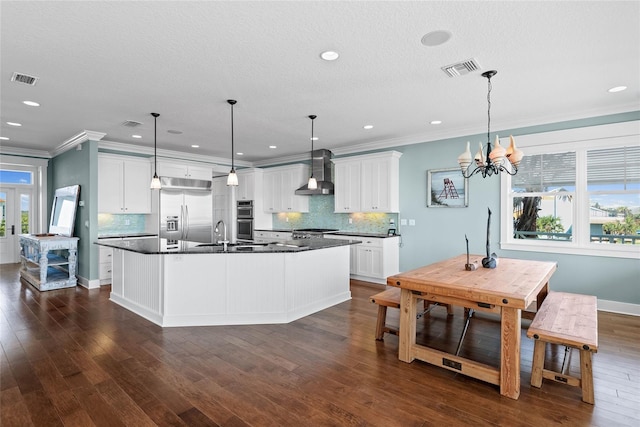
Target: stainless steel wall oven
{"x": 245, "y": 220}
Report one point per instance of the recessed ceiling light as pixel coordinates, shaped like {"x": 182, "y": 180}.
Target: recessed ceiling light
{"x": 13, "y": 124}
{"x": 136, "y": 136}
{"x": 329, "y": 55}
{"x": 367, "y": 127}
{"x": 175, "y": 132}
{"x": 273, "y": 146}
{"x": 315, "y": 138}
{"x": 240, "y": 154}
{"x": 436, "y": 38}
{"x": 617, "y": 89}
{"x": 195, "y": 146}
{"x": 31, "y": 103}
{"x": 436, "y": 122}
{"x": 4, "y": 138}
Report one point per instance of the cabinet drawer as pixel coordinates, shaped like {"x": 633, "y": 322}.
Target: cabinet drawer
{"x": 105, "y": 270}
{"x": 370, "y": 242}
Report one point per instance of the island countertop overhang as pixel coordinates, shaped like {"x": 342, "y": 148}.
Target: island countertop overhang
{"x": 159, "y": 246}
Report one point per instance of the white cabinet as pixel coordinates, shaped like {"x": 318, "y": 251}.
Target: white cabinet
{"x": 375, "y": 259}
{"x": 347, "y": 193}
{"x": 249, "y": 184}
{"x": 270, "y": 236}
{"x": 106, "y": 262}
{"x": 370, "y": 258}
{"x": 123, "y": 184}
{"x": 280, "y": 185}
{"x": 368, "y": 183}
{"x": 181, "y": 169}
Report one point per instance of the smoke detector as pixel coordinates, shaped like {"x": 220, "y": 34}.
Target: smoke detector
{"x": 24, "y": 78}
{"x": 131, "y": 123}
{"x": 461, "y": 68}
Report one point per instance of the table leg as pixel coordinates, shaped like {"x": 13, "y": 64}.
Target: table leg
{"x": 510, "y": 352}
{"x": 542, "y": 295}
{"x": 407, "y": 330}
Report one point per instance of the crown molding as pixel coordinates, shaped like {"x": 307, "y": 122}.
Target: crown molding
{"x": 25, "y": 152}
{"x": 170, "y": 154}
{"x": 84, "y": 136}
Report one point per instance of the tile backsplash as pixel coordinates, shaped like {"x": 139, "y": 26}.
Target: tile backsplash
{"x": 109, "y": 224}
{"x": 321, "y": 215}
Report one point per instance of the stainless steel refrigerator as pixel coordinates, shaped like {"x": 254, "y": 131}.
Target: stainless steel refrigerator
{"x": 186, "y": 209}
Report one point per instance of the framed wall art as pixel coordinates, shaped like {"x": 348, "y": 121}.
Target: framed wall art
{"x": 447, "y": 188}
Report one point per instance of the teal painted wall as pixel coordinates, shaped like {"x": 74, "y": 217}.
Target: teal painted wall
{"x": 439, "y": 232}
{"x": 80, "y": 167}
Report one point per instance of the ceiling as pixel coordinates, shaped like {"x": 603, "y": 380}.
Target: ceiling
{"x": 101, "y": 63}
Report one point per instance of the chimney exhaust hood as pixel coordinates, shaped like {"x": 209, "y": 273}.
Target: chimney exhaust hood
{"x": 322, "y": 168}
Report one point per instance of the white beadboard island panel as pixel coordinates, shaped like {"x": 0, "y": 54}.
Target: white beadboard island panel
{"x": 230, "y": 289}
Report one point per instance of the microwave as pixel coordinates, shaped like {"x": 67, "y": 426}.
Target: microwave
{"x": 245, "y": 209}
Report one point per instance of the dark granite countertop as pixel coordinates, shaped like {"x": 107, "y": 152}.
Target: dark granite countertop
{"x": 157, "y": 246}
{"x": 339, "y": 233}
{"x": 359, "y": 234}
{"x": 126, "y": 235}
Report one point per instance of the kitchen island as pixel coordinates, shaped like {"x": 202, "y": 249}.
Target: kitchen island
{"x": 182, "y": 283}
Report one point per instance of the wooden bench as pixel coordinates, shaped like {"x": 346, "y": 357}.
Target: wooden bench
{"x": 570, "y": 320}
{"x": 391, "y": 298}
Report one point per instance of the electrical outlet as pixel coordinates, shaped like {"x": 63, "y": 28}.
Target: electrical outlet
{"x": 350, "y": 220}
{"x": 127, "y": 222}
{"x": 286, "y": 219}
{"x": 403, "y": 221}
{"x": 412, "y": 222}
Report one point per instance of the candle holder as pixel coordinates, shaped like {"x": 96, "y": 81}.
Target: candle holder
{"x": 469, "y": 266}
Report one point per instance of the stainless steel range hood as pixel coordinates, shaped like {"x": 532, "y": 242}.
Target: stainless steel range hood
{"x": 322, "y": 168}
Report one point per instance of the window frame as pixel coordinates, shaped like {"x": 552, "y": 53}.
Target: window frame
{"x": 578, "y": 140}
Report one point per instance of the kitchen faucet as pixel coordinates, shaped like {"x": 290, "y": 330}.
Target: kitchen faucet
{"x": 217, "y": 230}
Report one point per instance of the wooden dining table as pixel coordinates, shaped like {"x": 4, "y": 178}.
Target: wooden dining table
{"x": 506, "y": 290}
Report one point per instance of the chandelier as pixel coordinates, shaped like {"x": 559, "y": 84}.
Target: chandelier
{"x": 497, "y": 159}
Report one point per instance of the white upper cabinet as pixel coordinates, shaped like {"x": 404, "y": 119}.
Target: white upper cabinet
{"x": 280, "y": 184}
{"x": 123, "y": 184}
{"x": 248, "y": 180}
{"x": 368, "y": 183}
{"x": 347, "y": 193}
{"x": 181, "y": 169}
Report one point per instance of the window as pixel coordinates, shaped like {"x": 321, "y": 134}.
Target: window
{"x": 579, "y": 197}
{"x": 13, "y": 177}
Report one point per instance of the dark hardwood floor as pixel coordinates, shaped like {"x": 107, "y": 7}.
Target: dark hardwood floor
{"x": 71, "y": 357}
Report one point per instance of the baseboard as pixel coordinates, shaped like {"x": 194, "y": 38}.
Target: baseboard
{"x": 619, "y": 307}
{"x": 89, "y": 284}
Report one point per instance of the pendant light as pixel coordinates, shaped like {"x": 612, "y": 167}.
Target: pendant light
{"x": 155, "y": 181}
{"x": 495, "y": 161}
{"x": 232, "y": 179}
{"x": 313, "y": 184}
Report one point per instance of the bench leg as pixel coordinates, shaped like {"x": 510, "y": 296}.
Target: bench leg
{"x": 586, "y": 374}
{"x": 539, "y": 348}
{"x": 449, "y": 309}
{"x": 382, "y": 319}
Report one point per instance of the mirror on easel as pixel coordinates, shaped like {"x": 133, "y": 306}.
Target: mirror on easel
{"x": 63, "y": 211}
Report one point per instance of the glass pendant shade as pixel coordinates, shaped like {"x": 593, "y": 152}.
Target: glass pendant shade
{"x": 155, "y": 181}
{"x": 232, "y": 179}
{"x": 313, "y": 184}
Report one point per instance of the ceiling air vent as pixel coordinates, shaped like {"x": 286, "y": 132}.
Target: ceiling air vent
{"x": 461, "y": 68}
{"x": 131, "y": 123}
{"x": 24, "y": 78}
